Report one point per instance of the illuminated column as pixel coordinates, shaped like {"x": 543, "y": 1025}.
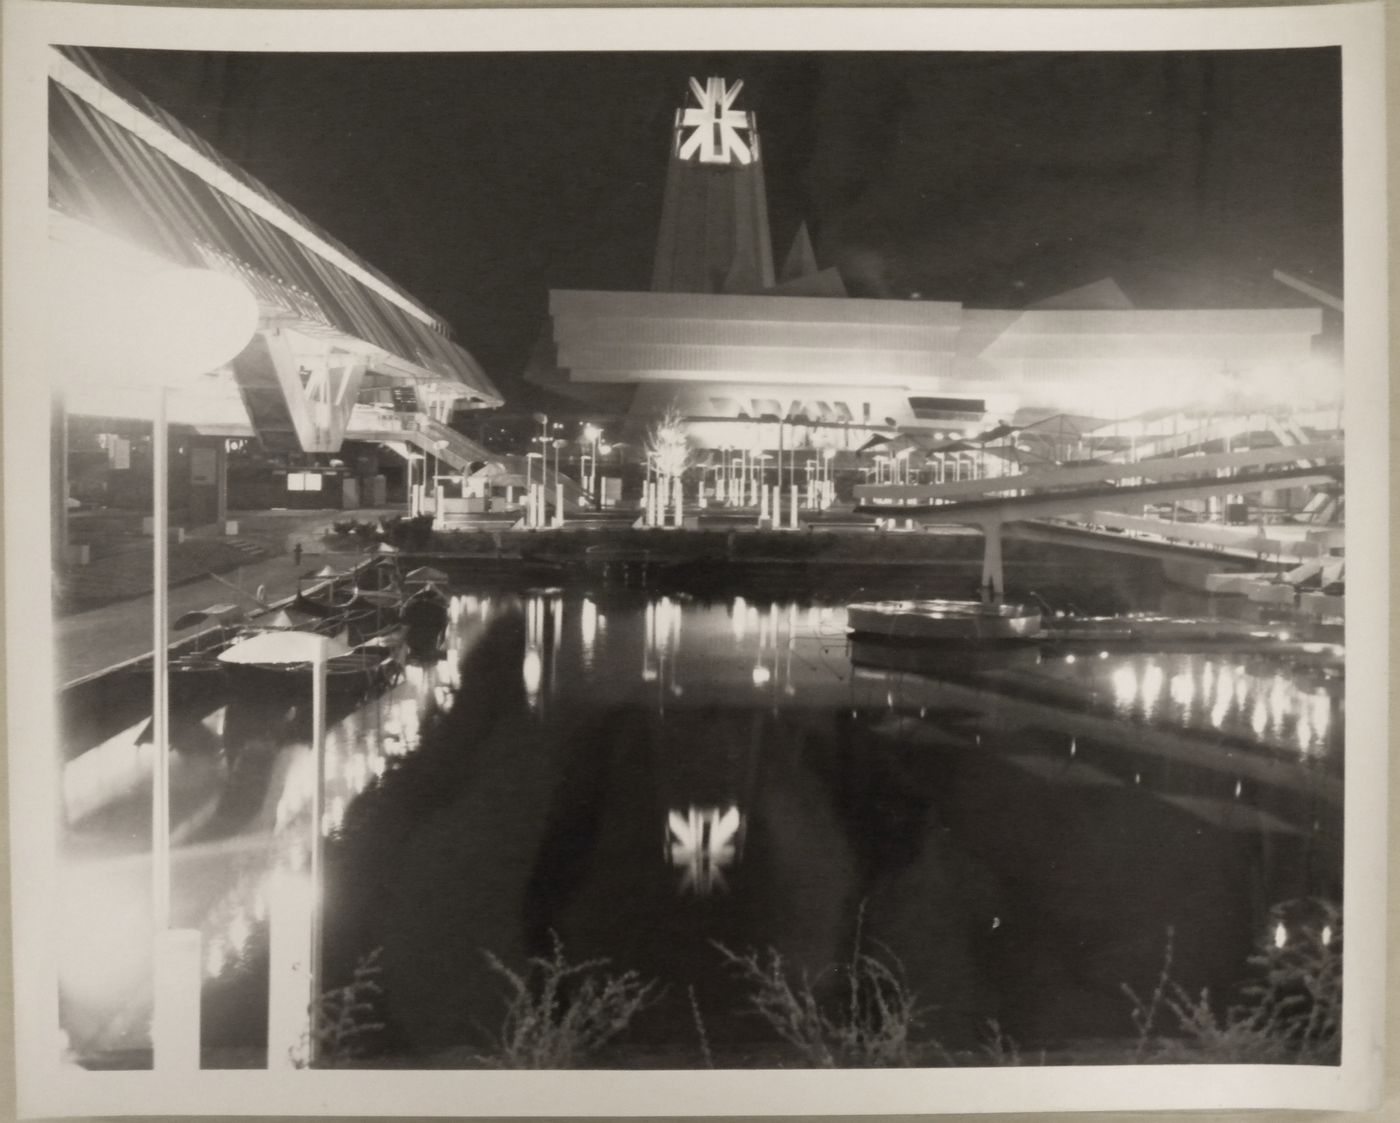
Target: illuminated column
{"x": 680, "y": 503}
{"x": 763, "y": 505}
{"x": 175, "y": 1020}
{"x": 559, "y": 504}
{"x": 792, "y": 513}
{"x": 993, "y": 579}
{"x": 289, "y": 981}
{"x": 318, "y": 889}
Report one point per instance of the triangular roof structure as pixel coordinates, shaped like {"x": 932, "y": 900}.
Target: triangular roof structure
{"x": 801, "y": 260}
{"x": 1102, "y": 295}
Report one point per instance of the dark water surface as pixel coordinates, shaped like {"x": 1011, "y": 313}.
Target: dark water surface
{"x": 643, "y": 776}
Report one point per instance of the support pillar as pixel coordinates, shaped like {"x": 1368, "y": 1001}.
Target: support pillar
{"x": 221, "y": 484}
{"x": 993, "y": 577}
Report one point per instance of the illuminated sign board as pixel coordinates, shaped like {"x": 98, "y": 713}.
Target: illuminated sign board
{"x": 710, "y": 130}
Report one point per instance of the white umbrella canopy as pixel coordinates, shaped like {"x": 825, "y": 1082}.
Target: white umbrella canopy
{"x": 426, "y": 575}
{"x": 284, "y": 648}
{"x": 284, "y": 620}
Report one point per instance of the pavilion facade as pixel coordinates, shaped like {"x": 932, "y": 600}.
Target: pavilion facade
{"x": 734, "y": 345}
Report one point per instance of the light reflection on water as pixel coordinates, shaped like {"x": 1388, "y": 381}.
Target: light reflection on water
{"x": 784, "y": 650}
{"x": 735, "y": 707}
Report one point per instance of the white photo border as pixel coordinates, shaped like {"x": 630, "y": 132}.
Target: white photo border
{"x": 47, "y": 1090}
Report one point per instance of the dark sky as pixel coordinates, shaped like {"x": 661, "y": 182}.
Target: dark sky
{"x": 480, "y": 181}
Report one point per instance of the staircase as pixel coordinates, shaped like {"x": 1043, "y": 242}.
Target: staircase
{"x": 399, "y": 427}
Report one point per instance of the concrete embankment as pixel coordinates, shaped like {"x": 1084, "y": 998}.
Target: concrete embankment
{"x": 945, "y": 563}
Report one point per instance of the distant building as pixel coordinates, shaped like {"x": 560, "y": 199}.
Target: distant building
{"x": 731, "y": 342}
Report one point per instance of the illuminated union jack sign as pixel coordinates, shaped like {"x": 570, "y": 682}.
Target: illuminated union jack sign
{"x": 714, "y": 125}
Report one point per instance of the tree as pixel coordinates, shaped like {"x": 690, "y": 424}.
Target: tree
{"x": 667, "y": 444}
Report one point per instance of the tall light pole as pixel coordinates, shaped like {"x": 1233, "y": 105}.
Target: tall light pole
{"x": 532, "y": 505}
{"x": 438, "y": 446}
{"x": 591, "y": 436}
{"x": 184, "y": 323}
{"x": 558, "y": 483}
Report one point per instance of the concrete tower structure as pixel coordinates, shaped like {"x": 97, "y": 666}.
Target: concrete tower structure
{"x": 714, "y": 219}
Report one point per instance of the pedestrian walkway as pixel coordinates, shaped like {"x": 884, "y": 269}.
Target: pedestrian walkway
{"x": 90, "y": 643}
{"x": 125, "y": 570}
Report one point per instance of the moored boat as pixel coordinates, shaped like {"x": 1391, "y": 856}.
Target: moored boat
{"x": 280, "y": 660}
{"x": 935, "y": 620}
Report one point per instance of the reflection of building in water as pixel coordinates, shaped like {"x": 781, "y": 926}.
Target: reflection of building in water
{"x": 702, "y": 842}
{"x": 661, "y": 646}
{"x": 776, "y": 628}
{"x": 544, "y": 629}
{"x": 593, "y": 628}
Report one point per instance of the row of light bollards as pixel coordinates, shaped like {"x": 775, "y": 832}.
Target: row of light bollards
{"x": 536, "y": 513}
{"x": 771, "y": 507}
{"x": 663, "y": 502}
{"x": 662, "y": 496}
{"x": 815, "y": 494}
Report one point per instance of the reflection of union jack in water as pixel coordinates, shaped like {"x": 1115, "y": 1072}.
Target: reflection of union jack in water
{"x": 701, "y": 843}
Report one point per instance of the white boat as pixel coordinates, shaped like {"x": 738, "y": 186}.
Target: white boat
{"x": 942, "y": 620}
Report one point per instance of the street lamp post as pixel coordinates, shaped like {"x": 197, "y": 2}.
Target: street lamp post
{"x": 558, "y": 484}
{"x": 593, "y": 435}
{"x": 532, "y": 505}
{"x": 438, "y": 447}
{"x": 184, "y": 323}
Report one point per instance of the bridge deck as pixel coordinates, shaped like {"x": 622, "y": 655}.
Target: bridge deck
{"x": 1104, "y": 497}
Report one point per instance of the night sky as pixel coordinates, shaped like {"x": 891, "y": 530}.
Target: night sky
{"x": 478, "y": 181}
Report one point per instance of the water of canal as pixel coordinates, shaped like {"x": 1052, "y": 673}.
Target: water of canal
{"x": 645, "y": 776}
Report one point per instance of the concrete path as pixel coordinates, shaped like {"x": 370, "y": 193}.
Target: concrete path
{"x": 89, "y": 643}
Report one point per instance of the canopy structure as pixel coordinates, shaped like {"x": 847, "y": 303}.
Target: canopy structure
{"x": 284, "y": 620}
{"x": 132, "y": 189}
{"x": 283, "y": 648}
